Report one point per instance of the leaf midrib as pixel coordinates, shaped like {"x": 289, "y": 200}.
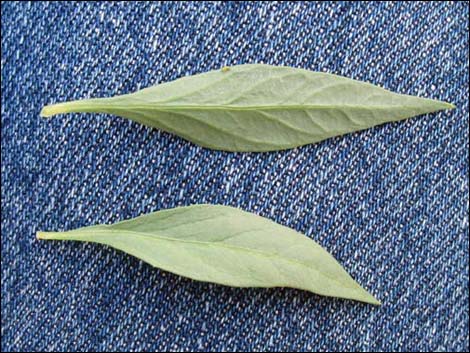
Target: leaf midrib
{"x": 265, "y": 107}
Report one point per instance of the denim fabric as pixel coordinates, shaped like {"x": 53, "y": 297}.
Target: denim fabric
{"x": 390, "y": 203}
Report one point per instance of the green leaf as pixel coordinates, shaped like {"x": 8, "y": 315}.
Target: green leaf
{"x": 258, "y": 107}
{"x": 225, "y": 245}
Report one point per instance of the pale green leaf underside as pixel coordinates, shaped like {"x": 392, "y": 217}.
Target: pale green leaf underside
{"x": 225, "y": 245}
{"x": 258, "y": 107}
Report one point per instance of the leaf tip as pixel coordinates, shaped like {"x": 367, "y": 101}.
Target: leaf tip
{"x": 364, "y": 296}
{"x": 441, "y": 105}
{"x": 451, "y": 106}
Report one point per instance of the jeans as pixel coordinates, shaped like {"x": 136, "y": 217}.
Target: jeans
{"x": 390, "y": 203}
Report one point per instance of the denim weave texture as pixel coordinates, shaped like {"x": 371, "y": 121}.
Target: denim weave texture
{"x": 389, "y": 203}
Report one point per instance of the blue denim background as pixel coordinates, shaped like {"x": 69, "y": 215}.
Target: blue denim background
{"x": 389, "y": 203}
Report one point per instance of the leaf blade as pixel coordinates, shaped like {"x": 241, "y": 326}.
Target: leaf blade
{"x": 250, "y": 107}
{"x": 225, "y": 245}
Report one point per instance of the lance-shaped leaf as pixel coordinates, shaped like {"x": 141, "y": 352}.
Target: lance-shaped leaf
{"x": 258, "y": 107}
{"x": 225, "y": 245}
